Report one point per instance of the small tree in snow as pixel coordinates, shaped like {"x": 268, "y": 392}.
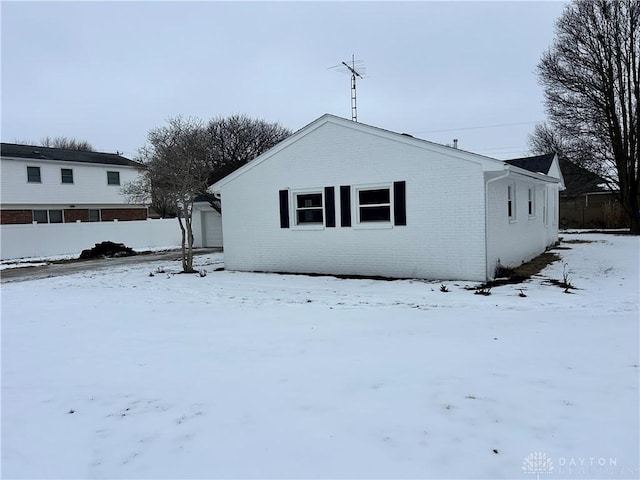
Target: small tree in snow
{"x": 176, "y": 161}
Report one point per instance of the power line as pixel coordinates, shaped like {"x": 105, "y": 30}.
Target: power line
{"x": 517, "y": 147}
{"x": 478, "y": 127}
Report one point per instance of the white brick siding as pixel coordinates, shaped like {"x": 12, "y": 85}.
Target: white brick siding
{"x": 443, "y": 238}
{"x": 519, "y": 240}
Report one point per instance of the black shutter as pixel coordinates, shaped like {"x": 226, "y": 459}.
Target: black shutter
{"x": 330, "y": 206}
{"x": 345, "y": 206}
{"x": 399, "y": 203}
{"x": 284, "y": 208}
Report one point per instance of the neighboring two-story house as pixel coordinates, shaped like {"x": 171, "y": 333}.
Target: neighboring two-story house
{"x": 53, "y": 185}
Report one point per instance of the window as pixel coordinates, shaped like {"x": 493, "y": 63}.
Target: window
{"x": 532, "y": 202}
{"x": 113, "y": 178}
{"x": 40, "y": 216}
{"x": 511, "y": 207}
{"x": 545, "y": 207}
{"x": 33, "y": 175}
{"x": 308, "y": 208}
{"x": 55, "y": 216}
{"x": 66, "y": 175}
{"x": 374, "y": 205}
{"x": 94, "y": 215}
{"x": 48, "y": 216}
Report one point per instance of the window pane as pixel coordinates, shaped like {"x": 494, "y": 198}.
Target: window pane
{"x": 310, "y": 216}
{"x": 40, "y": 216}
{"x": 375, "y": 214}
{"x": 33, "y": 174}
{"x": 113, "y": 178}
{"x": 67, "y": 175}
{"x": 94, "y": 215}
{"x": 309, "y": 200}
{"x": 55, "y": 216}
{"x": 373, "y": 197}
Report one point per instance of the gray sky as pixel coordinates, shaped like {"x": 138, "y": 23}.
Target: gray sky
{"x": 107, "y": 72}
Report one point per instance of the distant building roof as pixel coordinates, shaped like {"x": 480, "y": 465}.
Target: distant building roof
{"x": 61, "y": 154}
{"x": 579, "y": 180}
{"x": 537, "y": 164}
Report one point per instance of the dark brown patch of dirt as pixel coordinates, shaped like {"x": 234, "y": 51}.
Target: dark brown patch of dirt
{"x": 577, "y": 240}
{"x": 512, "y": 276}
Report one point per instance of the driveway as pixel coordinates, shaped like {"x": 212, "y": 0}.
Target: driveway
{"x": 68, "y": 267}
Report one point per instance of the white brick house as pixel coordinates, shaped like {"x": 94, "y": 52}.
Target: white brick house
{"x": 340, "y": 197}
{"x": 53, "y": 185}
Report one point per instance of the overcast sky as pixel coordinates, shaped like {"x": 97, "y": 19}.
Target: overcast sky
{"x": 107, "y": 72}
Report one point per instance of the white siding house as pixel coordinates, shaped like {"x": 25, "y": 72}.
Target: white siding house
{"x": 340, "y": 197}
{"x": 52, "y": 185}
{"x": 59, "y": 202}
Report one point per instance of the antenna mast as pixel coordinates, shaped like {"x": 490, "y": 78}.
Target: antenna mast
{"x": 356, "y": 69}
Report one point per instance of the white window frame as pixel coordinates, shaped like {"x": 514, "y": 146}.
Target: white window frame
{"x": 511, "y": 202}
{"x": 89, "y": 210}
{"x": 62, "y": 177}
{"x": 48, "y": 212}
{"x": 119, "y": 178}
{"x": 39, "y": 174}
{"x": 531, "y": 202}
{"x": 545, "y": 207}
{"x": 293, "y": 213}
{"x": 355, "y": 200}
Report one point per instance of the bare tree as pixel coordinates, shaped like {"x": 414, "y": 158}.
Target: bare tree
{"x": 591, "y": 76}
{"x": 577, "y": 150}
{"x": 176, "y": 162}
{"x": 238, "y": 139}
{"x": 66, "y": 143}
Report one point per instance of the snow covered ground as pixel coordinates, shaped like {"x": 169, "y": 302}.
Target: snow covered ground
{"x": 119, "y": 374}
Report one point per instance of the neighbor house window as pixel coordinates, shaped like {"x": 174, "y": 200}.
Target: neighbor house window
{"x": 33, "y": 175}
{"x": 308, "y": 208}
{"x": 40, "y": 216}
{"x": 113, "y": 178}
{"x": 48, "y": 216}
{"x": 374, "y": 205}
{"x": 511, "y": 207}
{"x": 532, "y": 202}
{"x": 94, "y": 215}
{"x": 55, "y": 216}
{"x": 66, "y": 175}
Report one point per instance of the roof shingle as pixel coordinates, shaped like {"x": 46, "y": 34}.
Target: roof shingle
{"x": 60, "y": 154}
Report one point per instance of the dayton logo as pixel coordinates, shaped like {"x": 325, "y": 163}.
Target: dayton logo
{"x": 537, "y": 463}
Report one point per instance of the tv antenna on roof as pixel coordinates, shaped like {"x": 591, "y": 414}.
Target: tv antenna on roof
{"x": 357, "y": 70}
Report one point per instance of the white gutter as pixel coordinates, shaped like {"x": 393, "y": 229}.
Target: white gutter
{"x": 486, "y": 217}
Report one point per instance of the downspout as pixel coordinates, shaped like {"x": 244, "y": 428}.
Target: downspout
{"x": 486, "y": 219}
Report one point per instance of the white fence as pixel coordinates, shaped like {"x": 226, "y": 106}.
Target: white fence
{"x": 50, "y": 239}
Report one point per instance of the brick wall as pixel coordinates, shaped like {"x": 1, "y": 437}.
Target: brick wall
{"x": 15, "y": 216}
{"x": 75, "y": 214}
{"x": 123, "y": 214}
{"x": 71, "y": 215}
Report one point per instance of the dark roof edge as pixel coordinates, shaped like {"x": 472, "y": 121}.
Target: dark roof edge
{"x": 36, "y": 152}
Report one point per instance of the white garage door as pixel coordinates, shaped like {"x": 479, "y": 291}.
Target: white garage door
{"x": 211, "y": 229}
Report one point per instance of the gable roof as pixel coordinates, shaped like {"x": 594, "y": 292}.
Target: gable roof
{"x": 488, "y": 162}
{"x": 536, "y": 164}
{"x": 579, "y": 180}
{"x": 60, "y": 154}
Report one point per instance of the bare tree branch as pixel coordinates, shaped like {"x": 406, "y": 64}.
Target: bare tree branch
{"x": 591, "y": 79}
